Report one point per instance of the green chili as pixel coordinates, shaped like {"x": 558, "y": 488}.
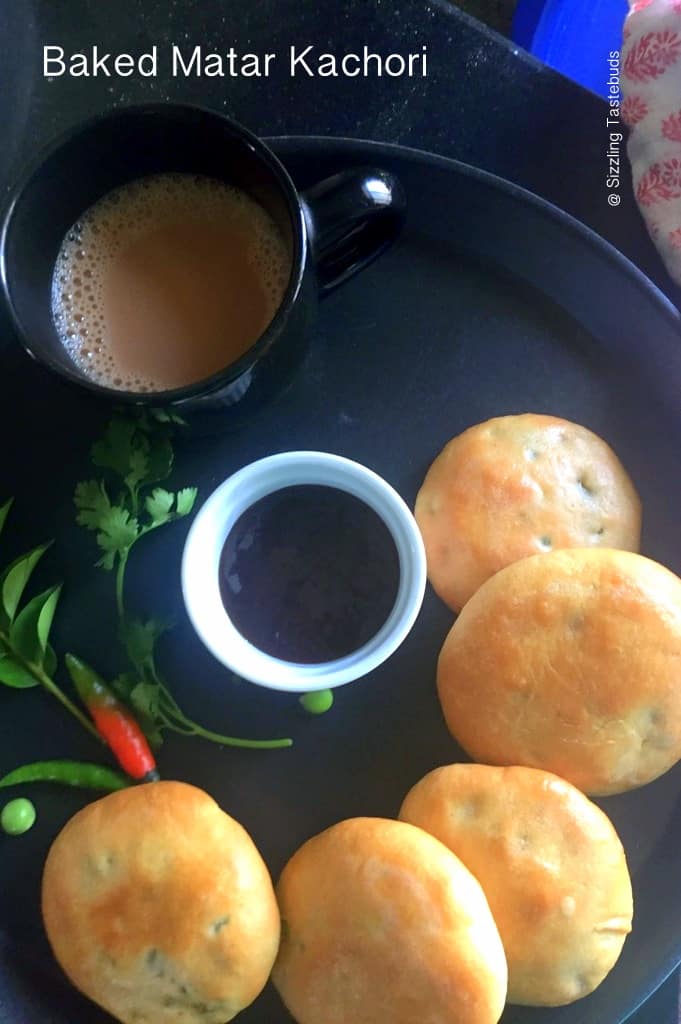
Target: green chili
{"x": 69, "y": 773}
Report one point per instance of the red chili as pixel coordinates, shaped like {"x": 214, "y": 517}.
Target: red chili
{"x": 115, "y": 722}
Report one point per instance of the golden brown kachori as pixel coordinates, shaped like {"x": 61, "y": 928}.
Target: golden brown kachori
{"x": 550, "y": 864}
{"x": 381, "y": 922}
{"x": 159, "y": 907}
{"x": 516, "y": 486}
{"x": 571, "y": 662}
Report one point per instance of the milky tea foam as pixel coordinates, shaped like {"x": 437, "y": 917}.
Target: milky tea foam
{"x": 167, "y": 280}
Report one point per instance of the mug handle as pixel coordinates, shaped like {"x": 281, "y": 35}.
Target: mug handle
{"x": 351, "y": 218}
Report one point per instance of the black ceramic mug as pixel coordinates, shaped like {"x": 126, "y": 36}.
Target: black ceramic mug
{"x": 332, "y": 230}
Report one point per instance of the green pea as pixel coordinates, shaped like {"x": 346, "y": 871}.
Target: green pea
{"x": 17, "y": 816}
{"x": 318, "y": 702}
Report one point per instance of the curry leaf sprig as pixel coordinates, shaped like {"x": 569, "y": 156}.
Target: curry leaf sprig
{"x": 136, "y": 455}
{"x": 27, "y": 658}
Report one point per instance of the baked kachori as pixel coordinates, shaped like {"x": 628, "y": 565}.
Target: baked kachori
{"x": 159, "y": 907}
{"x": 516, "y": 486}
{"x": 550, "y": 864}
{"x": 570, "y": 662}
{"x": 381, "y": 922}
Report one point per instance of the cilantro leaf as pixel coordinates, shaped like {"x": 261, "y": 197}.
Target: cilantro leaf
{"x": 93, "y": 504}
{"x": 167, "y": 416}
{"x": 138, "y": 467}
{"x": 115, "y": 449}
{"x": 140, "y": 639}
{"x": 185, "y": 499}
{"x": 159, "y": 505}
{"x": 144, "y": 700}
{"x": 123, "y": 684}
{"x": 118, "y": 531}
{"x": 107, "y": 561}
{"x": 159, "y": 458}
{"x": 152, "y": 436}
{"x": 133, "y": 451}
{"x": 143, "y": 697}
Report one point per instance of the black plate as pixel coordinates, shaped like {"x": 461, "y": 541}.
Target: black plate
{"x": 492, "y": 302}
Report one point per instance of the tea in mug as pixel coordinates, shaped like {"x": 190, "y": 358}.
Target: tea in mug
{"x": 167, "y": 280}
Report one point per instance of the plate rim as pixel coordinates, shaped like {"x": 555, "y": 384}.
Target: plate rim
{"x": 292, "y": 144}
{"x": 285, "y": 145}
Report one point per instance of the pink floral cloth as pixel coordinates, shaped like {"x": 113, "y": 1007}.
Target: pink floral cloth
{"x": 651, "y": 107}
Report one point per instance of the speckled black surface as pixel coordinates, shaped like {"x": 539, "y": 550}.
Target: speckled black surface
{"x": 497, "y": 14}
{"x": 482, "y": 102}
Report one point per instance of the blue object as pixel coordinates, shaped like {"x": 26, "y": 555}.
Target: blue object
{"x": 575, "y": 37}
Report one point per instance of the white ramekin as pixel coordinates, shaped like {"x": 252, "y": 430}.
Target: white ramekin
{"x": 200, "y": 569}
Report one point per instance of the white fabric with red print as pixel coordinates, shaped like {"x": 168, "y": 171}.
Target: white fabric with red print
{"x": 651, "y": 107}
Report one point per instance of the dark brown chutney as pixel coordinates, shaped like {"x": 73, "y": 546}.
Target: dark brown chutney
{"x": 309, "y": 573}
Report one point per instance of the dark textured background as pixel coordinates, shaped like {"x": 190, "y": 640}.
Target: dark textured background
{"x": 497, "y": 13}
